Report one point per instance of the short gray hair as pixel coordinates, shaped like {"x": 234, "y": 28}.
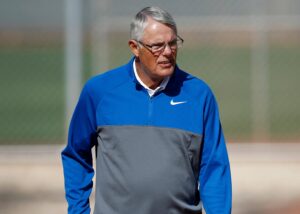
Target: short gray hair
{"x": 139, "y": 22}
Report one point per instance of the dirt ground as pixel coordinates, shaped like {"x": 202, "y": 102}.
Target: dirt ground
{"x": 266, "y": 179}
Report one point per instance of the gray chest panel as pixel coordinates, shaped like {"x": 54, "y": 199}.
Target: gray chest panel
{"x": 143, "y": 170}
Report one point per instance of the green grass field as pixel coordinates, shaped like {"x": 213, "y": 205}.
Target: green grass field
{"x": 32, "y": 90}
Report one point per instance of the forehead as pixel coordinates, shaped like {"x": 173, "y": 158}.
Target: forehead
{"x": 156, "y": 31}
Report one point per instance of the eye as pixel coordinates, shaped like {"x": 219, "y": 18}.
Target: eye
{"x": 158, "y": 46}
{"x": 173, "y": 43}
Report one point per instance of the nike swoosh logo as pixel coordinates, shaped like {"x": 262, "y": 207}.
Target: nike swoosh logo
{"x": 173, "y": 103}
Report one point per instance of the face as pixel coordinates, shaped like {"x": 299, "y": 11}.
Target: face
{"x": 152, "y": 68}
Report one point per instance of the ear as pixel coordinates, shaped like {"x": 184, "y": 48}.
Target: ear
{"x": 133, "y": 45}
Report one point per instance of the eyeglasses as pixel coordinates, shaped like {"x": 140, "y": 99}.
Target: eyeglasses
{"x": 157, "y": 48}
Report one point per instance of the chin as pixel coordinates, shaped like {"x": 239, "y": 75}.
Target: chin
{"x": 167, "y": 71}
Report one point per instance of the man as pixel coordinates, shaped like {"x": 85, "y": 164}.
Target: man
{"x": 160, "y": 146}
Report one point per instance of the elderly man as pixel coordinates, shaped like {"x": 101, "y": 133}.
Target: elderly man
{"x": 160, "y": 146}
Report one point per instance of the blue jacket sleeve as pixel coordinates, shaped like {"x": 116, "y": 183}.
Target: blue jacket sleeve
{"x": 77, "y": 156}
{"x": 214, "y": 178}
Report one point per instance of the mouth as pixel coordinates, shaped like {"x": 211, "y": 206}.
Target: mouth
{"x": 166, "y": 64}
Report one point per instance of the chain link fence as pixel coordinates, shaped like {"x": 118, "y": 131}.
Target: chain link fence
{"x": 247, "y": 51}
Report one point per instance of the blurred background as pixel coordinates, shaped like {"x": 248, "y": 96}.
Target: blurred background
{"x": 247, "y": 51}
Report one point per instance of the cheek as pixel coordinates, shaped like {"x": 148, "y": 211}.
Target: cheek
{"x": 148, "y": 62}
{"x": 175, "y": 55}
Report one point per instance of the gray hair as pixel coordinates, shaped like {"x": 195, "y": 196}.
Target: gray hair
{"x": 139, "y": 22}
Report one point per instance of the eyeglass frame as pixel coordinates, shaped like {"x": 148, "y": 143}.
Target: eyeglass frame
{"x": 163, "y": 47}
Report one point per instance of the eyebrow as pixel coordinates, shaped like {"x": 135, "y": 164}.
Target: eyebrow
{"x": 162, "y": 42}
{"x": 157, "y": 43}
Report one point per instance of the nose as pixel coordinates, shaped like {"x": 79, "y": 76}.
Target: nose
{"x": 167, "y": 50}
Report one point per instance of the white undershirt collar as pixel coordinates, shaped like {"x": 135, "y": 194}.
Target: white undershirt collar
{"x": 150, "y": 91}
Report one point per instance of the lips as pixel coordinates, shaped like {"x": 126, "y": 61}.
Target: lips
{"x": 165, "y": 64}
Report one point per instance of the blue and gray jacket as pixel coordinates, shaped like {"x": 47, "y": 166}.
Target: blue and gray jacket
{"x": 164, "y": 154}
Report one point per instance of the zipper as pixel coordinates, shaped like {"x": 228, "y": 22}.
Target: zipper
{"x": 150, "y": 110}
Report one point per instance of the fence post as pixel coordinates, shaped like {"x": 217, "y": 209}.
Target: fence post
{"x": 260, "y": 75}
{"x": 100, "y": 37}
{"x": 73, "y": 55}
